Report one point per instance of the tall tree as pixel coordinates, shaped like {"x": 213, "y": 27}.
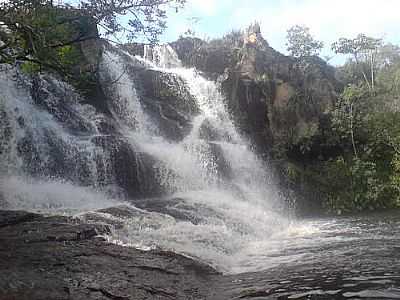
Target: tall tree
{"x": 364, "y": 50}
{"x": 300, "y": 42}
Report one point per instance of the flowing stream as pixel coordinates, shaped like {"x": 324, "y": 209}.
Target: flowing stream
{"x": 196, "y": 189}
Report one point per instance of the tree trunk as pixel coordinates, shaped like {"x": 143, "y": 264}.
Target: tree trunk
{"x": 372, "y": 72}
{"x": 363, "y": 72}
{"x": 352, "y": 131}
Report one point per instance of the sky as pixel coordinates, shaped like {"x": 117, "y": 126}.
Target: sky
{"x": 328, "y": 20}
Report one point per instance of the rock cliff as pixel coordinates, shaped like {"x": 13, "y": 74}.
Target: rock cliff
{"x": 277, "y": 100}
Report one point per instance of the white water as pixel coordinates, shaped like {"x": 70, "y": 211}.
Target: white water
{"x": 234, "y": 215}
{"x": 50, "y": 192}
{"x": 225, "y": 220}
{"x": 51, "y": 197}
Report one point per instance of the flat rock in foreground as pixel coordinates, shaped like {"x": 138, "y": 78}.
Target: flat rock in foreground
{"x": 63, "y": 258}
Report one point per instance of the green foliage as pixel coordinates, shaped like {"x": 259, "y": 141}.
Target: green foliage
{"x": 364, "y": 50}
{"x": 146, "y": 18}
{"x": 349, "y": 73}
{"x": 40, "y": 34}
{"x": 141, "y": 18}
{"x": 30, "y": 68}
{"x": 360, "y": 184}
{"x": 360, "y": 168}
{"x": 350, "y": 109}
{"x": 69, "y": 56}
{"x": 49, "y": 35}
{"x": 45, "y": 38}
{"x": 300, "y": 42}
{"x": 369, "y": 178}
{"x": 361, "y": 45}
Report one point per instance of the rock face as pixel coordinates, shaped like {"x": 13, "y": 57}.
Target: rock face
{"x": 274, "y": 98}
{"x": 170, "y": 104}
{"x": 164, "y": 96}
{"x": 63, "y": 258}
{"x": 132, "y": 170}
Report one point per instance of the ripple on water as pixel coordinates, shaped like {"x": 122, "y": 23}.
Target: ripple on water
{"x": 378, "y": 294}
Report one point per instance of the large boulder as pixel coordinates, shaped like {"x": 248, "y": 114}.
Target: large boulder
{"x": 133, "y": 171}
{"x": 168, "y": 101}
{"x": 65, "y": 258}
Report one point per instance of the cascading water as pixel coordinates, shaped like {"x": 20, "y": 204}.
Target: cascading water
{"x": 44, "y": 167}
{"x": 216, "y": 217}
{"x": 218, "y": 202}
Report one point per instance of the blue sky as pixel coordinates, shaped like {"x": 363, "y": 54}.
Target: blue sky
{"x": 328, "y": 20}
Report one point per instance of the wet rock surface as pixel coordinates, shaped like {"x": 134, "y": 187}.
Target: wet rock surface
{"x": 167, "y": 99}
{"x": 63, "y": 258}
{"x": 67, "y": 258}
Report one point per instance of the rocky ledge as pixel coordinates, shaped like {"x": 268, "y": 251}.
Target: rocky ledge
{"x": 64, "y": 258}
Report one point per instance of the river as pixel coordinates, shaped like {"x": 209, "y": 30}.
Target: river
{"x": 355, "y": 257}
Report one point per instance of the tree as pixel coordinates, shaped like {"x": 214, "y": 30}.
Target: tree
{"x": 45, "y": 34}
{"x": 349, "y": 112}
{"x": 37, "y": 33}
{"x": 300, "y": 42}
{"x": 364, "y": 50}
{"x": 388, "y": 77}
{"x": 147, "y": 17}
{"x": 388, "y": 56}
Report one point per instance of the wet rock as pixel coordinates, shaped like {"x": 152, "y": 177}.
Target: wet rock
{"x": 9, "y": 218}
{"x": 208, "y": 132}
{"x": 168, "y": 101}
{"x": 211, "y": 58}
{"x": 59, "y": 99}
{"x": 133, "y": 171}
{"x": 134, "y": 49}
{"x": 34, "y": 265}
{"x": 222, "y": 166}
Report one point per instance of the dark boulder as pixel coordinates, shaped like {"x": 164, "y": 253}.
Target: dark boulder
{"x": 132, "y": 171}
{"x": 64, "y": 258}
{"x": 167, "y": 99}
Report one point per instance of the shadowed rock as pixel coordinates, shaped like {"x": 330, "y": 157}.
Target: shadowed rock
{"x": 167, "y": 99}
{"x": 63, "y": 258}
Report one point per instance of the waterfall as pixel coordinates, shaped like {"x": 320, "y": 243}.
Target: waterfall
{"x": 49, "y": 161}
{"x": 220, "y": 199}
{"x": 188, "y": 181}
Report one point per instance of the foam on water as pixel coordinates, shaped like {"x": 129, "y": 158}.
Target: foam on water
{"x": 221, "y": 217}
{"x": 33, "y": 140}
{"x": 52, "y": 197}
{"x": 223, "y": 220}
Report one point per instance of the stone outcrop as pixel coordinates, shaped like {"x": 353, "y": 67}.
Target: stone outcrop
{"x": 275, "y": 99}
{"x": 133, "y": 171}
{"x": 64, "y": 258}
{"x": 166, "y": 98}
